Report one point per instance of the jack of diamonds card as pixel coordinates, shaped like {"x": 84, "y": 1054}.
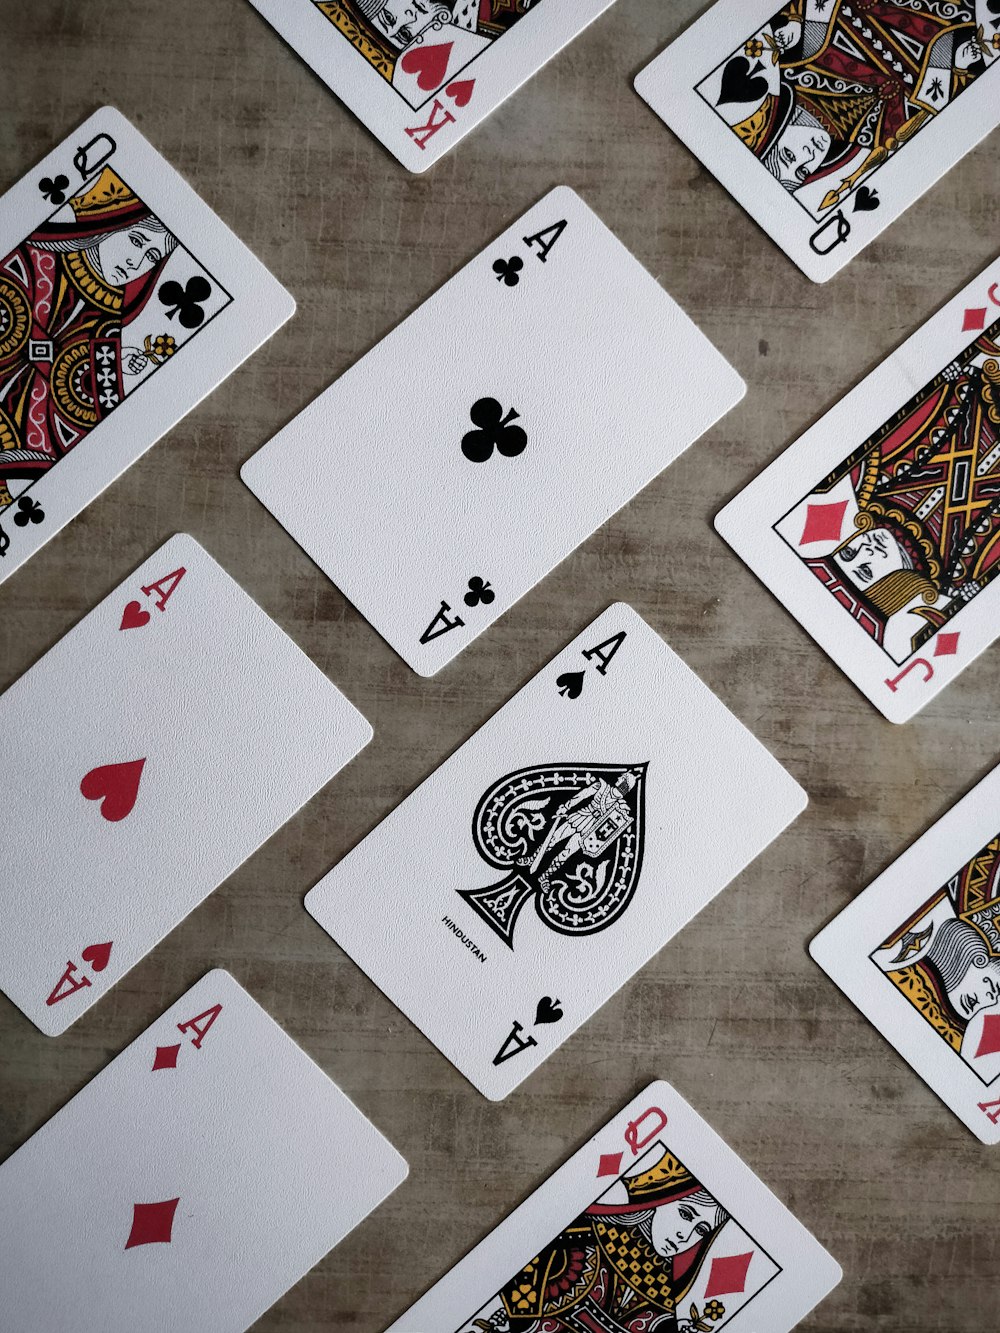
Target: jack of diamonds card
{"x": 879, "y": 529}
{"x": 655, "y": 1224}
{"x": 495, "y": 429}
{"x": 167, "y": 736}
{"x": 195, "y": 1179}
{"x": 123, "y": 301}
{"x": 918, "y": 952}
{"x": 422, "y": 73}
{"x": 826, "y": 119}
{"x": 556, "y": 852}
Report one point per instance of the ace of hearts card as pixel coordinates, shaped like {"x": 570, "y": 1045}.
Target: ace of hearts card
{"x": 166, "y": 737}
{"x": 493, "y": 431}
{"x": 556, "y": 852}
{"x": 879, "y": 528}
{"x": 654, "y": 1224}
{"x": 123, "y": 301}
{"x": 422, "y": 73}
{"x": 918, "y": 952}
{"x": 826, "y": 119}
{"x": 190, "y": 1183}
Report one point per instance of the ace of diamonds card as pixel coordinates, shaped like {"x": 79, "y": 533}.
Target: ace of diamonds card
{"x": 123, "y": 301}
{"x": 655, "y": 1224}
{"x": 144, "y": 757}
{"x": 493, "y": 431}
{"x": 879, "y": 529}
{"x": 422, "y": 73}
{"x": 554, "y": 853}
{"x": 189, "y": 1184}
{"x": 826, "y": 119}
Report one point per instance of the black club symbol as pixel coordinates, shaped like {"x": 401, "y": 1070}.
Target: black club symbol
{"x": 508, "y": 271}
{"x": 28, "y": 511}
{"x": 495, "y": 432}
{"x": 480, "y": 593}
{"x": 185, "y": 301}
{"x": 54, "y": 190}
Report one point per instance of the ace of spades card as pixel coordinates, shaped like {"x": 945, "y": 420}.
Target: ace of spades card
{"x": 918, "y": 952}
{"x": 494, "y": 430}
{"x": 198, "y": 1176}
{"x": 879, "y": 529}
{"x": 422, "y": 73}
{"x": 553, "y": 854}
{"x": 144, "y": 757}
{"x": 123, "y": 301}
{"x": 826, "y": 119}
{"x": 653, "y": 1224}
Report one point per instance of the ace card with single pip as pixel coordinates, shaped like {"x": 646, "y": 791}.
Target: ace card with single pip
{"x": 879, "y": 528}
{"x": 493, "y": 431}
{"x": 556, "y": 852}
{"x": 653, "y": 1224}
{"x": 826, "y": 119}
{"x": 123, "y": 301}
{"x": 918, "y": 952}
{"x": 166, "y": 737}
{"x": 422, "y": 73}
{"x": 194, "y": 1180}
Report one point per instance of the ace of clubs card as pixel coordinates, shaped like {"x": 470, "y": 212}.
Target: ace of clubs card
{"x": 655, "y": 1223}
{"x": 556, "y": 852}
{"x": 145, "y": 757}
{"x": 422, "y": 73}
{"x": 826, "y": 119}
{"x": 190, "y": 1183}
{"x": 918, "y": 952}
{"x": 493, "y": 431}
{"x": 123, "y": 301}
{"x": 879, "y": 529}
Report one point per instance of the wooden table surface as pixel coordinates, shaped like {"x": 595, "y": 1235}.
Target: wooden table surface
{"x": 732, "y": 1011}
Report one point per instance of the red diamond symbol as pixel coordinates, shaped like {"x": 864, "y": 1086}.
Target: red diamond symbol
{"x": 152, "y": 1223}
{"x": 945, "y": 645}
{"x": 989, "y": 1042}
{"x": 610, "y": 1164}
{"x": 974, "y": 320}
{"x": 166, "y": 1057}
{"x": 823, "y": 523}
{"x": 728, "y": 1275}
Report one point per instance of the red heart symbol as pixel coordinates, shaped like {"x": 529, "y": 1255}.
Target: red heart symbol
{"x": 135, "y": 617}
{"x": 461, "y": 92}
{"x": 116, "y": 786}
{"x": 97, "y": 955}
{"x": 429, "y": 63}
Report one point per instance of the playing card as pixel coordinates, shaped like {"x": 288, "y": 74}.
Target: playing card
{"x": 826, "y": 119}
{"x": 498, "y": 427}
{"x": 878, "y": 528}
{"x": 422, "y": 73}
{"x": 167, "y": 736}
{"x": 554, "y": 853}
{"x": 123, "y": 301}
{"x": 191, "y": 1183}
{"x": 655, "y": 1223}
{"x": 919, "y": 954}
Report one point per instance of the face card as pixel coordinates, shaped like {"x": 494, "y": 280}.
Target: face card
{"x": 422, "y": 73}
{"x": 879, "y": 528}
{"x": 167, "y": 736}
{"x": 826, "y": 119}
{"x": 123, "y": 301}
{"x": 191, "y": 1183}
{"x": 479, "y": 443}
{"x": 554, "y": 853}
{"x": 653, "y": 1224}
{"x": 919, "y": 954}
